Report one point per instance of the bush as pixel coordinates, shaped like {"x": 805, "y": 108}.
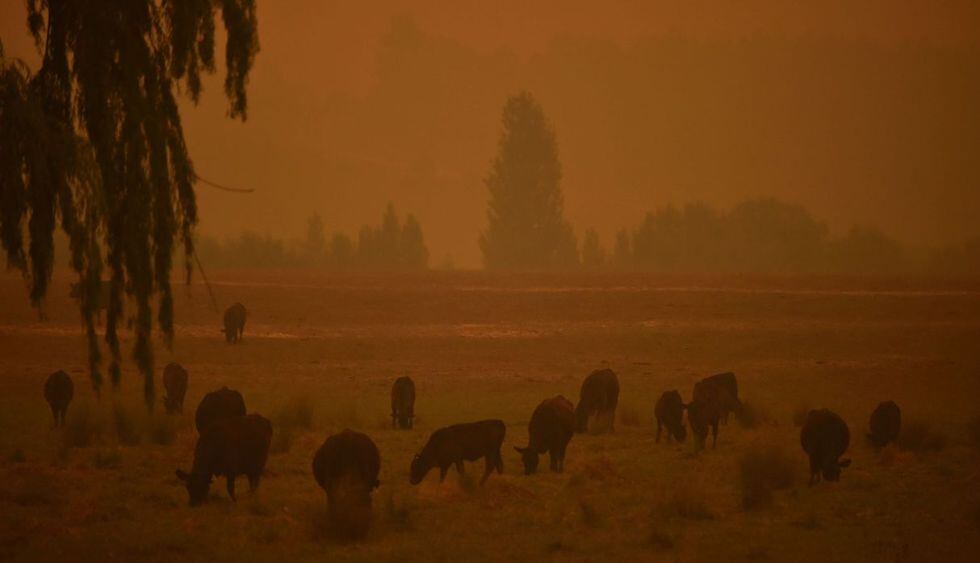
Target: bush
{"x": 762, "y": 470}
{"x": 919, "y": 436}
{"x": 82, "y": 428}
{"x": 127, "y": 425}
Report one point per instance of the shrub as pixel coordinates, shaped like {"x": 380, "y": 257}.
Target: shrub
{"x": 919, "y": 436}
{"x": 126, "y": 423}
{"x": 82, "y": 428}
{"x": 762, "y": 470}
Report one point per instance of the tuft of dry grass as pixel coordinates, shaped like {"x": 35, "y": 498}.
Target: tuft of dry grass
{"x": 762, "y": 470}
{"x": 920, "y": 436}
{"x": 591, "y": 516}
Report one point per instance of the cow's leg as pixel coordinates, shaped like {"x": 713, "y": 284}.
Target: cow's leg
{"x": 231, "y": 487}
{"x": 488, "y": 469}
{"x": 561, "y": 458}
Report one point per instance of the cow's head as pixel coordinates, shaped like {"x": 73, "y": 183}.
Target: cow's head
{"x": 530, "y": 458}
{"x": 831, "y": 471}
{"x": 420, "y": 467}
{"x": 198, "y": 485}
{"x": 678, "y": 431}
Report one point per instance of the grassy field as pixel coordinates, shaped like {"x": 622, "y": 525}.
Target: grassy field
{"x": 320, "y": 354}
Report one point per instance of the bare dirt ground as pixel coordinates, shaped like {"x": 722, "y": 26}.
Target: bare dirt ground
{"x": 321, "y": 351}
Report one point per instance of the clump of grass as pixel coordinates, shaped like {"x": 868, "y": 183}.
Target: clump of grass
{"x": 799, "y": 415}
{"x": 590, "y": 515}
{"x": 685, "y": 501}
{"x": 629, "y": 415}
{"x": 82, "y": 428}
{"x": 762, "y": 470}
{"x": 753, "y": 415}
{"x": 660, "y": 540}
{"x": 107, "y": 458}
{"x": 920, "y": 436}
{"x": 161, "y": 429}
{"x": 126, "y": 424}
{"x": 973, "y": 431}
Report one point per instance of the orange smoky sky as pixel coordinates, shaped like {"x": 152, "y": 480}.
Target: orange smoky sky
{"x": 865, "y": 112}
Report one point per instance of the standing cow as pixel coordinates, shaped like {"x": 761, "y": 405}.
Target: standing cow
{"x": 218, "y": 405}
{"x": 461, "y": 442}
{"x": 346, "y": 466}
{"x": 825, "y": 438}
{"x": 175, "y": 384}
{"x": 670, "y": 414}
{"x": 58, "y": 392}
{"x": 229, "y": 447}
{"x": 551, "y": 428}
{"x": 403, "y": 403}
{"x": 234, "y": 323}
{"x": 725, "y": 385}
{"x": 885, "y": 423}
{"x": 599, "y": 396}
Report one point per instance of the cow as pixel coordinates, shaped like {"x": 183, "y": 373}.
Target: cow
{"x": 346, "y": 467}
{"x": 598, "y": 396}
{"x": 885, "y": 423}
{"x": 704, "y": 413}
{"x": 234, "y": 323}
{"x": 218, "y": 405}
{"x": 461, "y": 442}
{"x": 58, "y": 392}
{"x": 670, "y": 414}
{"x": 825, "y": 437}
{"x": 721, "y": 383}
{"x": 403, "y": 403}
{"x": 175, "y": 384}
{"x": 551, "y": 428}
{"x": 230, "y": 447}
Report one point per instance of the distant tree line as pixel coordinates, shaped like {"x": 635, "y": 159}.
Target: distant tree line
{"x": 394, "y": 245}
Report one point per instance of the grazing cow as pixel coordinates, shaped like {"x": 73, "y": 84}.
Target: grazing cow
{"x": 704, "y": 413}
{"x": 346, "y": 466}
{"x": 670, "y": 413}
{"x": 551, "y": 428}
{"x": 218, "y": 405}
{"x": 724, "y": 384}
{"x": 886, "y": 422}
{"x": 229, "y": 447}
{"x": 403, "y": 403}
{"x": 101, "y": 299}
{"x": 599, "y": 396}
{"x": 234, "y": 323}
{"x": 461, "y": 442}
{"x": 825, "y": 438}
{"x": 58, "y": 391}
{"x": 175, "y": 384}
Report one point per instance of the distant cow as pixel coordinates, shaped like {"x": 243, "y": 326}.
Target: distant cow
{"x": 229, "y": 447}
{"x": 58, "y": 391}
{"x": 175, "y": 384}
{"x": 218, "y": 405}
{"x": 461, "y": 442}
{"x": 346, "y": 466}
{"x": 235, "y": 323}
{"x": 726, "y": 386}
{"x": 598, "y": 396}
{"x": 551, "y": 428}
{"x": 403, "y": 403}
{"x": 670, "y": 414}
{"x": 886, "y": 422}
{"x": 825, "y": 438}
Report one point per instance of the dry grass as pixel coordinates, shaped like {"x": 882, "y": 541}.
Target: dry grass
{"x": 686, "y": 501}
{"x": 84, "y": 426}
{"x": 920, "y": 436}
{"x": 630, "y": 415}
{"x": 763, "y": 469}
{"x": 754, "y": 415}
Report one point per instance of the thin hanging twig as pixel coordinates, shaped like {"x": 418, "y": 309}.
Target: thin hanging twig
{"x": 220, "y": 187}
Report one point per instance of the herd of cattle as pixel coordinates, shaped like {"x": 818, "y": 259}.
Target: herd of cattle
{"x": 232, "y": 443}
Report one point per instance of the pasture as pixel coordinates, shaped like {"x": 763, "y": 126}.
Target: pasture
{"x": 320, "y": 353}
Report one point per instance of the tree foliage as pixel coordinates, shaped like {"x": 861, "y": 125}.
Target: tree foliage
{"x": 93, "y": 143}
{"x": 527, "y": 228}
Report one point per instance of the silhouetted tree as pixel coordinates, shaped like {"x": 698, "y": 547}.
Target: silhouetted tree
{"x": 93, "y": 143}
{"x": 593, "y": 255}
{"x": 315, "y": 245}
{"x": 413, "y": 252}
{"x": 623, "y": 252}
{"x": 527, "y": 229}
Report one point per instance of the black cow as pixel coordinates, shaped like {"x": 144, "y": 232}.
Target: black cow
{"x": 346, "y": 466}
{"x": 551, "y": 428}
{"x": 58, "y": 392}
{"x": 218, "y": 405}
{"x": 403, "y": 403}
{"x": 599, "y": 396}
{"x": 234, "y": 323}
{"x": 175, "y": 384}
{"x": 724, "y": 384}
{"x": 670, "y": 413}
{"x": 229, "y": 447}
{"x": 886, "y": 422}
{"x": 461, "y": 442}
{"x": 825, "y": 438}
